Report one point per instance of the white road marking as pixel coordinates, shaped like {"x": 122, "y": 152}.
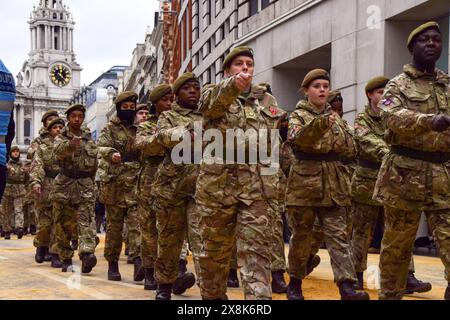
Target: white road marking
{"x": 83, "y": 288}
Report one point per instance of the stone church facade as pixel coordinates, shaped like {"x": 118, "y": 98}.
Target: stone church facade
{"x": 51, "y": 75}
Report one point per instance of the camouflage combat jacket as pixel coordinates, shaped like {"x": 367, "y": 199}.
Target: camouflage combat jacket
{"x": 224, "y": 108}
{"x": 369, "y": 135}
{"x": 152, "y": 155}
{"x": 118, "y": 180}
{"x": 410, "y": 102}
{"x": 318, "y": 183}
{"x": 43, "y": 136}
{"x": 16, "y": 179}
{"x": 44, "y": 169}
{"x": 79, "y": 162}
{"x": 174, "y": 182}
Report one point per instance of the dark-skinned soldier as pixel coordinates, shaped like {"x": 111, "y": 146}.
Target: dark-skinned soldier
{"x": 74, "y": 191}
{"x": 414, "y": 177}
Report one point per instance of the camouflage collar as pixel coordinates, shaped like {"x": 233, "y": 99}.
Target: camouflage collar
{"x": 370, "y": 112}
{"x": 306, "y": 105}
{"x": 43, "y": 132}
{"x": 14, "y": 161}
{"x": 116, "y": 120}
{"x": 439, "y": 75}
{"x": 179, "y": 109}
{"x": 85, "y": 133}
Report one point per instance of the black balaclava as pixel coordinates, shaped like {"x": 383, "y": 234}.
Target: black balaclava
{"x": 126, "y": 115}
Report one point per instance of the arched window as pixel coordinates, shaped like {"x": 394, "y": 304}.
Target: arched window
{"x": 27, "y": 128}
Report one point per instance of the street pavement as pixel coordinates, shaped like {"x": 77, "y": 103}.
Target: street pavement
{"x": 21, "y": 278}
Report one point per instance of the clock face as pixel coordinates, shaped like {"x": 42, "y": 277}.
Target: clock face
{"x": 60, "y": 75}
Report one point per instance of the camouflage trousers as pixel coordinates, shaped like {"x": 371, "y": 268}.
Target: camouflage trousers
{"x": 29, "y": 214}
{"x": 115, "y": 218}
{"x": 333, "y": 221}
{"x": 45, "y": 236}
{"x": 66, "y": 215}
{"x": 397, "y": 246}
{"x": 318, "y": 236}
{"x": 175, "y": 222}
{"x": 149, "y": 237}
{"x": 220, "y": 227}
{"x": 12, "y": 208}
{"x": 277, "y": 254}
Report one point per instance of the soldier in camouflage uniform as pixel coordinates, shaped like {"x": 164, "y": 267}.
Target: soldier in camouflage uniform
{"x": 414, "y": 175}
{"x": 118, "y": 171}
{"x": 277, "y": 254}
{"x": 238, "y": 201}
{"x": 318, "y": 186}
{"x": 174, "y": 188}
{"x": 12, "y": 202}
{"x": 35, "y": 144}
{"x": 336, "y": 104}
{"x": 74, "y": 190}
{"x": 152, "y": 155}
{"x": 369, "y": 133}
{"x": 44, "y": 170}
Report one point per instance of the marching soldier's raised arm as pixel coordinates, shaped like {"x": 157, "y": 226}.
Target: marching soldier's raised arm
{"x": 305, "y": 134}
{"x": 216, "y": 100}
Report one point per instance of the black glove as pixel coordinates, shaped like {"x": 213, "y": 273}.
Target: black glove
{"x": 440, "y": 123}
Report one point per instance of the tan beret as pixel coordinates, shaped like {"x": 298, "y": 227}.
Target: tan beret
{"x": 160, "y": 91}
{"x": 48, "y": 114}
{"x": 55, "y": 121}
{"x": 185, "y": 77}
{"x": 15, "y": 148}
{"x": 314, "y": 75}
{"x": 236, "y": 52}
{"x": 126, "y": 96}
{"x": 420, "y": 29}
{"x": 142, "y": 106}
{"x": 76, "y": 107}
{"x": 376, "y": 83}
{"x": 333, "y": 95}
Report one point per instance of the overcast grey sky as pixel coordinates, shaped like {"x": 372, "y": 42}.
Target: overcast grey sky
{"x": 106, "y": 32}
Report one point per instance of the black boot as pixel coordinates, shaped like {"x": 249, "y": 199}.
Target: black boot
{"x": 313, "y": 262}
{"x": 294, "y": 290}
{"x": 447, "y": 293}
{"x": 33, "y": 230}
{"x": 113, "y": 271}
{"x": 139, "y": 272}
{"x": 185, "y": 279}
{"x": 7, "y": 236}
{"x": 130, "y": 260}
{"x": 47, "y": 256}
{"x": 25, "y": 231}
{"x": 40, "y": 254}
{"x": 150, "y": 282}
{"x": 415, "y": 285}
{"x": 127, "y": 251}
{"x": 360, "y": 284}
{"x": 56, "y": 263}
{"x": 19, "y": 233}
{"x": 88, "y": 262}
{"x": 233, "y": 280}
{"x": 164, "y": 292}
{"x": 67, "y": 265}
{"x": 278, "y": 282}
{"x": 347, "y": 291}
{"x": 74, "y": 245}
{"x": 2, "y": 232}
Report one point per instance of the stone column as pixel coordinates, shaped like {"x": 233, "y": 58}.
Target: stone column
{"x": 20, "y": 125}
{"x": 61, "y": 37}
{"x": 36, "y": 121}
